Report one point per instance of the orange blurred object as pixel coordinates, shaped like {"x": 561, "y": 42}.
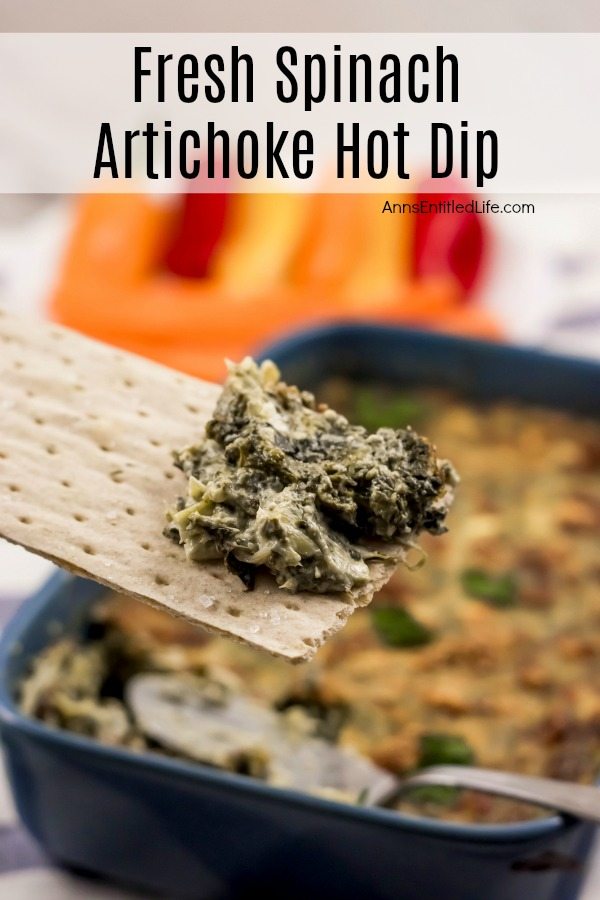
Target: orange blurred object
{"x": 255, "y": 254}
{"x": 380, "y": 271}
{"x": 328, "y": 249}
{"x": 117, "y": 238}
{"x": 283, "y": 262}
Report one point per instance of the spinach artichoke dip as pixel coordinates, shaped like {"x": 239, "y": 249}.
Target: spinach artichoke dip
{"x": 281, "y": 482}
{"x": 488, "y": 655}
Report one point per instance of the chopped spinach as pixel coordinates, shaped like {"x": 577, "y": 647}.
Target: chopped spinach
{"x": 397, "y": 628}
{"x": 497, "y": 590}
{"x": 444, "y": 749}
{"x": 438, "y": 749}
{"x": 279, "y": 481}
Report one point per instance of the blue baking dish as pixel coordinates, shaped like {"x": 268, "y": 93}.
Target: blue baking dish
{"x": 189, "y": 831}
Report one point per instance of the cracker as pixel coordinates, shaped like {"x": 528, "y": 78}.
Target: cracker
{"x": 86, "y": 475}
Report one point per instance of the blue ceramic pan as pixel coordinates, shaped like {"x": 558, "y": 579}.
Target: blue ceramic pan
{"x": 185, "y": 830}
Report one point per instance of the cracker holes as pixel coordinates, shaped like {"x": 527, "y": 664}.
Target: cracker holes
{"x": 161, "y": 581}
{"x": 93, "y": 417}
{"x": 142, "y": 413}
{"x": 145, "y": 545}
{"x": 79, "y": 517}
{"x": 292, "y": 606}
{"x": 192, "y": 408}
{"x": 130, "y": 511}
{"x": 17, "y": 365}
{"x": 4, "y": 456}
{"x": 88, "y": 549}
{"x": 66, "y": 483}
{"x": 14, "y": 488}
{"x": 234, "y": 611}
{"x": 67, "y": 360}
{"x": 30, "y": 394}
{"x": 24, "y": 520}
{"x": 310, "y": 642}
{"x": 155, "y": 443}
{"x": 106, "y": 448}
{"x": 118, "y": 476}
{"x": 169, "y": 475}
{"x": 38, "y": 420}
{"x": 57, "y": 335}
{"x": 128, "y": 383}
{"x": 51, "y": 450}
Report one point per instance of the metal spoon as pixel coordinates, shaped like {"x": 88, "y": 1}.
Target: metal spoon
{"x": 579, "y": 800}
{"x": 205, "y": 719}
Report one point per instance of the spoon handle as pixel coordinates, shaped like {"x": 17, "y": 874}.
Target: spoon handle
{"x": 580, "y": 800}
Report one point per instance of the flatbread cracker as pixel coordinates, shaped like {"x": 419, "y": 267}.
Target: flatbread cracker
{"x": 86, "y": 475}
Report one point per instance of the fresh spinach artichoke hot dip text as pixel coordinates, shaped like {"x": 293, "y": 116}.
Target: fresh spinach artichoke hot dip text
{"x": 281, "y": 482}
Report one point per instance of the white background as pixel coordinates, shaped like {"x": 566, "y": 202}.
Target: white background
{"x": 538, "y": 91}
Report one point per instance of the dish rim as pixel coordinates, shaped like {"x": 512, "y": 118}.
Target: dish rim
{"x": 295, "y": 340}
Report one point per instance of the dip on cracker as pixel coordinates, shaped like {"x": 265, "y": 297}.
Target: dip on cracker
{"x": 281, "y": 482}
{"x": 307, "y": 502}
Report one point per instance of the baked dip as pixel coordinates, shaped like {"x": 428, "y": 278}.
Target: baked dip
{"x": 283, "y": 482}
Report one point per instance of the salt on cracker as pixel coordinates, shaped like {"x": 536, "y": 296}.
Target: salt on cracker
{"x": 86, "y": 475}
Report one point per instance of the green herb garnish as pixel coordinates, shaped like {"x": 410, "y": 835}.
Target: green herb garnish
{"x": 497, "y": 590}
{"x": 397, "y": 628}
